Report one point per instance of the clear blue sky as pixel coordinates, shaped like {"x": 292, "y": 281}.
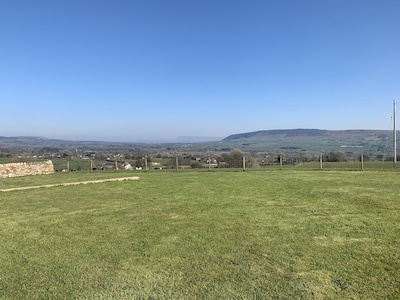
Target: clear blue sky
{"x": 150, "y": 70}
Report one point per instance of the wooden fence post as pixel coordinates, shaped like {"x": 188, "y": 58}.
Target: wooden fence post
{"x": 362, "y": 161}
{"x": 320, "y": 161}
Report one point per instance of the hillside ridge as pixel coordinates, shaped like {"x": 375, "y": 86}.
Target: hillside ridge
{"x": 300, "y": 132}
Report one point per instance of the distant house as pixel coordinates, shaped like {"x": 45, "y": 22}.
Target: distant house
{"x": 127, "y": 166}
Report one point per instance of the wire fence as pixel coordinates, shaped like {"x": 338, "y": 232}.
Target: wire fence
{"x": 245, "y": 162}
{"x": 378, "y": 162}
{"x": 348, "y": 166}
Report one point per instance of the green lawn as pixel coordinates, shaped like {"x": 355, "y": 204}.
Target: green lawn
{"x": 291, "y": 234}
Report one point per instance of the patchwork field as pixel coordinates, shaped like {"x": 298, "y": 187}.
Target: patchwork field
{"x": 270, "y": 234}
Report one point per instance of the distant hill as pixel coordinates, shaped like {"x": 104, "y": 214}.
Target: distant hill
{"x": 32, "y": 142}
{"x": 312, "y": 140}
{"x": 263, "y": 134}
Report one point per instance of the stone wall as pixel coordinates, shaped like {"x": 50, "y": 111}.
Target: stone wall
{"x": 24, "y": 169}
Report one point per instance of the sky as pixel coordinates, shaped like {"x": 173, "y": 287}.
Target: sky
{"x": 155, "y": 70}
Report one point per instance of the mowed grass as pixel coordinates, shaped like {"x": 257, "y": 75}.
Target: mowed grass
{"x": 273, "y": 234}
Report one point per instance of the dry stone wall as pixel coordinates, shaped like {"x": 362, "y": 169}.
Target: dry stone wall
{"x": 24, "y": 169}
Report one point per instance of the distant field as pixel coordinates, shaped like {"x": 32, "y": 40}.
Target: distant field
{"x": 266, "y": 234}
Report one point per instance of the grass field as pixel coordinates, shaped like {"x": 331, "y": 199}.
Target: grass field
{"x": 292, "y": 234}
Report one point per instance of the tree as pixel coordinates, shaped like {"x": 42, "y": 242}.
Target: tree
{"x": 336, "y": 156}
{"x": 129, "y": 155}
{"x": 234, "y": 159}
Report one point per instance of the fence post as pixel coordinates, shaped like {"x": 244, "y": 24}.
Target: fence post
{"x": 280, "y": 161}
{"x": 176, "y": 163}
{"x": 244, "y": 163}
{"x": 362, "y": 161}
{"x": 320, "y": 161}
{"x": 145, "y": 163}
